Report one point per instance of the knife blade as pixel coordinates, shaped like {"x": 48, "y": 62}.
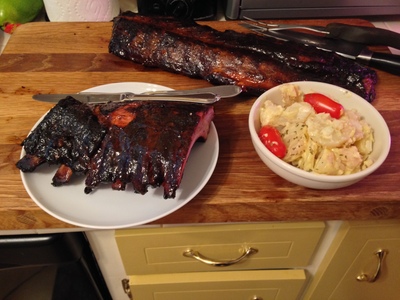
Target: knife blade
{"x": 363, "y": 35}
{"x": 358, "y": 52}
{"x": 203, "y": 98}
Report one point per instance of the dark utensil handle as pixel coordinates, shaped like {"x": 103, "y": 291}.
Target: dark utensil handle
{"x": 382, "y": 61}
{"x": 364, "y": 35}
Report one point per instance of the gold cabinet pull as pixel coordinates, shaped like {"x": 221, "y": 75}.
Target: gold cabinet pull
{"x": 126, "y": 287}
{"x": 380, "y": 254}
{"x": 196, "y": 255}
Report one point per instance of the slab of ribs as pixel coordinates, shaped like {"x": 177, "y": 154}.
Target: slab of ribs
{"x": 253, "y": 62}
{"x": 143, "y": 143}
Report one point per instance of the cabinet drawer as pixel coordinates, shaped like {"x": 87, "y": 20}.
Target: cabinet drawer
{"x": 160, "y": 250}
{"x": 237, "y": 285}
{"x": 353, "y": 254}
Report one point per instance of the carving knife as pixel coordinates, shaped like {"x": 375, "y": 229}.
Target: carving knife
{"x": 203, "y": 95}
{"x": 358, "y": 52}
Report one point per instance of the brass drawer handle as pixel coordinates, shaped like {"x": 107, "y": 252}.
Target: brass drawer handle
{"x": 380, "y": 254}
{"x": 196, "y": 255}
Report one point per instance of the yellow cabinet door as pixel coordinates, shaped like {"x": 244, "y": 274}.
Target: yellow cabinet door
{"x": 353, "y": 269}
{"x": 232, "y": 285}
{"x": 162, "y": 250}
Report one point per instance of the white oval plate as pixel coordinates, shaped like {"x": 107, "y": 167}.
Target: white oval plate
{"x": 109, "y": 209}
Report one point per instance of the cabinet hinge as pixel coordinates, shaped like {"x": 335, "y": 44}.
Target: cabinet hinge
{"x": 126, "y": 287}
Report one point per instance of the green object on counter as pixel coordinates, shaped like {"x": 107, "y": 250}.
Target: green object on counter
{"x": 15, "y": 12}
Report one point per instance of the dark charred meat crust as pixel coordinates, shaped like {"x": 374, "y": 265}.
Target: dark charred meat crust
{"x": 149, "y": 146}
{"x": 143, "y": 143}
{"x": 254, "y": 62}
{"x": 68, "y": 136}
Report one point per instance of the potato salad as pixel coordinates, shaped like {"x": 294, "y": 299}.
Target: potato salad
{"x": 318, "y": 140}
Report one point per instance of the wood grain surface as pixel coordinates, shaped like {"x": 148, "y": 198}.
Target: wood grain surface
{"x": 70, "y": 57}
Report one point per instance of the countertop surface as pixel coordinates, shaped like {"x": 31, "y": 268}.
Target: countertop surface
{"x": 69, "y": 57}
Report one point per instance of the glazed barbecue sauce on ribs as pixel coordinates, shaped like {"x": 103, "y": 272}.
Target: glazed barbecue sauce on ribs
{"x": 145, "y": 143}
{"x": 255, "y": 63}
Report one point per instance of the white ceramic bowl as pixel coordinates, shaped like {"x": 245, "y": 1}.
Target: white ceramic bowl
{"x": 349, "y": 100}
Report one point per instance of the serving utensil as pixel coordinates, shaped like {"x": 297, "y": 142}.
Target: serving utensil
{"x": 356, "y": 51}
{"x": 203, "y": 95}
{"x": 351, "y": 33}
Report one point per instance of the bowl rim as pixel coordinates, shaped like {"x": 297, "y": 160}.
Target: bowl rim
{"x": 309, "y": 175}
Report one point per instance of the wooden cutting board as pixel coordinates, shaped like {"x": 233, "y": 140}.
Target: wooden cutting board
{"x": 70, "y": 57}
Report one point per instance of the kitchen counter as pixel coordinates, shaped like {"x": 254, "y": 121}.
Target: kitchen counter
{"x": 69, "y": 57}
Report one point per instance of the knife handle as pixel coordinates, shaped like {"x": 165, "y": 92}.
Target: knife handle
{"x": 383, "y": 61}
{"x": 364, "y": 35}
